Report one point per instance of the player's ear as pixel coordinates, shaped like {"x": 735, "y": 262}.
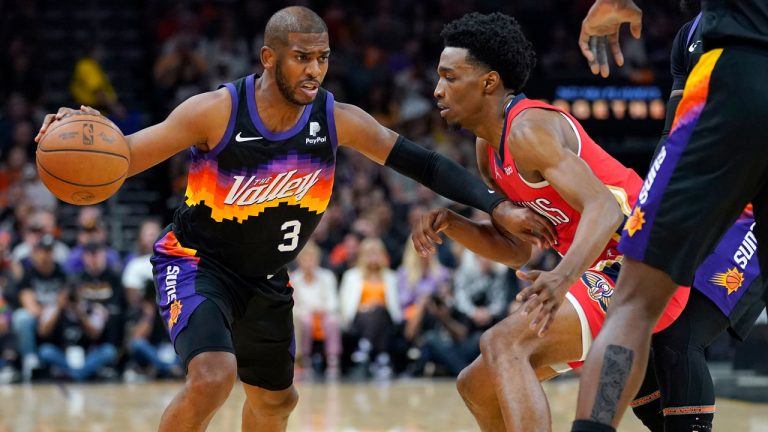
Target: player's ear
{"x": 268, "y": 57}
{"x": 491, "y": 82}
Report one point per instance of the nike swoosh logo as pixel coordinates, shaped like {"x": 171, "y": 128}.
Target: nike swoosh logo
{"x": 239, "y": 138}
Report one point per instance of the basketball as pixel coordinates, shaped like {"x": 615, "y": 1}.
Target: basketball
{"x": 83, "y": 159}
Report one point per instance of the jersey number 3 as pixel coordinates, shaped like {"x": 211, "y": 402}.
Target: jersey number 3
{"x": 291, "y": 238}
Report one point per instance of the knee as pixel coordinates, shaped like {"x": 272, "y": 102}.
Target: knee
{"x": 211, "y": 377}
{"x": 464, "y": 385}
{"x": 511, "y": 339}
{"x": 274, "y": 403}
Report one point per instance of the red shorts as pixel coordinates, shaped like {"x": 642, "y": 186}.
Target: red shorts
{"x": 591, "y": 296}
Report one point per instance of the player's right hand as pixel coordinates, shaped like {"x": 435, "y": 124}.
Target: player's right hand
{"x": 524, "y": 224}
{"x": 543, "y": 297}
{"x": 426, "y": 235}
{"x": 63, "y": 112}
{"x": 600, "y": 31}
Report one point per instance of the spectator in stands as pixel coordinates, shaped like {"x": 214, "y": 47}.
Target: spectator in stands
{"x": 138, "y": 270}
{"x": 480, "y": 291}
{"x": 442, "y": 333}
{"x": 71, "y": 330}
{"x": 39, "y": 224}
{"x": 226, "y": 53}
{"x": 91, "y": 229}
{"x": 150, "y": 347}
{"x": 418, "y": 278}
{"x": 38, "y": 288}
{"x": 90, "y": 84}
{"x": 316, "y": 309}
{"x": 344, "y": 255}
{"x": 369, "y": 303}
{"x": 100, "y": 284}
{"x": 180, "y": 74}
{"x": 9, "y": 354}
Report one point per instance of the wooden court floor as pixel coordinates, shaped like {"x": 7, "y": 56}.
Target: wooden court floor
{"x": 398, "y": 406}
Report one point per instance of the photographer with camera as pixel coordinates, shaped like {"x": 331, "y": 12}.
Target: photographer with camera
{"x": 441, "y": 332}
{"x": 70, "y": 330}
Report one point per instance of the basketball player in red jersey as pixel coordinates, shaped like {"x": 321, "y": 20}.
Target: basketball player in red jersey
{"x": 263, "y": 154}
{"x": 539, "y": 157}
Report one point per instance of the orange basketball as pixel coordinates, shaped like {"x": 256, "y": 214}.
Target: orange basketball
{"x": 83, "y": 159}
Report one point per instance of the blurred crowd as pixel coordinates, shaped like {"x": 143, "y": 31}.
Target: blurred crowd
{"x": 74, "y": 307}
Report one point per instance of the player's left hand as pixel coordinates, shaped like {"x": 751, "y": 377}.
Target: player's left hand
{"x": 427, "y": 234}
{"x": 600, "y": 31}
{"x": 547, "y": 290}
{"x": 524, "y": 224}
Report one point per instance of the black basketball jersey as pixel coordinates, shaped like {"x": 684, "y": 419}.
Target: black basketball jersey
{"x": 727, "y": 22}
{"x": 254, "y": 200}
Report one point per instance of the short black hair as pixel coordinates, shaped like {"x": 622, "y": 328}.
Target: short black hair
{"x": 495, "y": 41}
{"x": 293, "y": 19}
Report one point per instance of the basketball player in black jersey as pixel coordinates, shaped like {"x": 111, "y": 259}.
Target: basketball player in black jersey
{"x": 677, "y": 393}
{"x": 714, "y": 163}
{"x": 263, "y": 159}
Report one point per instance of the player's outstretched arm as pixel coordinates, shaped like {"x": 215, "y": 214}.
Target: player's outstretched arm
{"x": 544, "y": 142}
{"x": 358, "y": 130}
{"x": 481, "y": 237}
{"x": 199, "y": 121}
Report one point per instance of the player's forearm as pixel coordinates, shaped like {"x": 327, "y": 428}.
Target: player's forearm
{"x": 599, "y": 221}
{"x": 442, "y": 175}
{"x": 485, "y": 240}
{"x": 145, "y": 152}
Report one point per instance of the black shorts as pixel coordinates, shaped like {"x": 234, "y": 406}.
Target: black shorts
{"x": 713, "y": 164}
{"x": 207, "y": 308}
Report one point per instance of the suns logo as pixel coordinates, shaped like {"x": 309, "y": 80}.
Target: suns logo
{"x": 730, "y": 280}
{"x": 174, "y": 312}
{"x": 635, "y": 222}
{"x": 599, "y": 289}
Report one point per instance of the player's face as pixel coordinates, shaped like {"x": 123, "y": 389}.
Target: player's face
{"x": 459, "y": 89}
{"x": 301, "y": 66}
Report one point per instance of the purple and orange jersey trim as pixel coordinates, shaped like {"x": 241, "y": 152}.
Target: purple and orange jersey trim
{"x": 175, "y": 270}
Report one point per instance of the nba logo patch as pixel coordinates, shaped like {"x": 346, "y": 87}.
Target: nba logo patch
{"x": 598, "y": 287}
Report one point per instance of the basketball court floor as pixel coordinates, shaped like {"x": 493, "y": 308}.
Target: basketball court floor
{"x": 400, "y": 405}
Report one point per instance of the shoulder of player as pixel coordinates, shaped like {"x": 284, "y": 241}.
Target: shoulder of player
{"x": 353, "y": 124}
{"x": 208, "y": 113}
{"x": 345, "y": 113}
{"x": 537, "y": 128}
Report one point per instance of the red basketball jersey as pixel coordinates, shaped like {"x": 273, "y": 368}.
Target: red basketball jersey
{"x": 623, "y": 182}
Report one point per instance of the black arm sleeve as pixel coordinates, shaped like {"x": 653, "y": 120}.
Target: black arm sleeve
{"x": 678, "y": 58}
{"x": 442, "y": 175}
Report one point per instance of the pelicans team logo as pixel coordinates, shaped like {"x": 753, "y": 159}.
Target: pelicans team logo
{"x": 730, "y": 280}
{"x": 175, "y": 312}
{"x": 635, "y": 221}
{"x": 598, "y": 287}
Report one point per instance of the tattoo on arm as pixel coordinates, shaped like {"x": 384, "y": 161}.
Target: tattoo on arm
{"x": 617, "y": 363}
